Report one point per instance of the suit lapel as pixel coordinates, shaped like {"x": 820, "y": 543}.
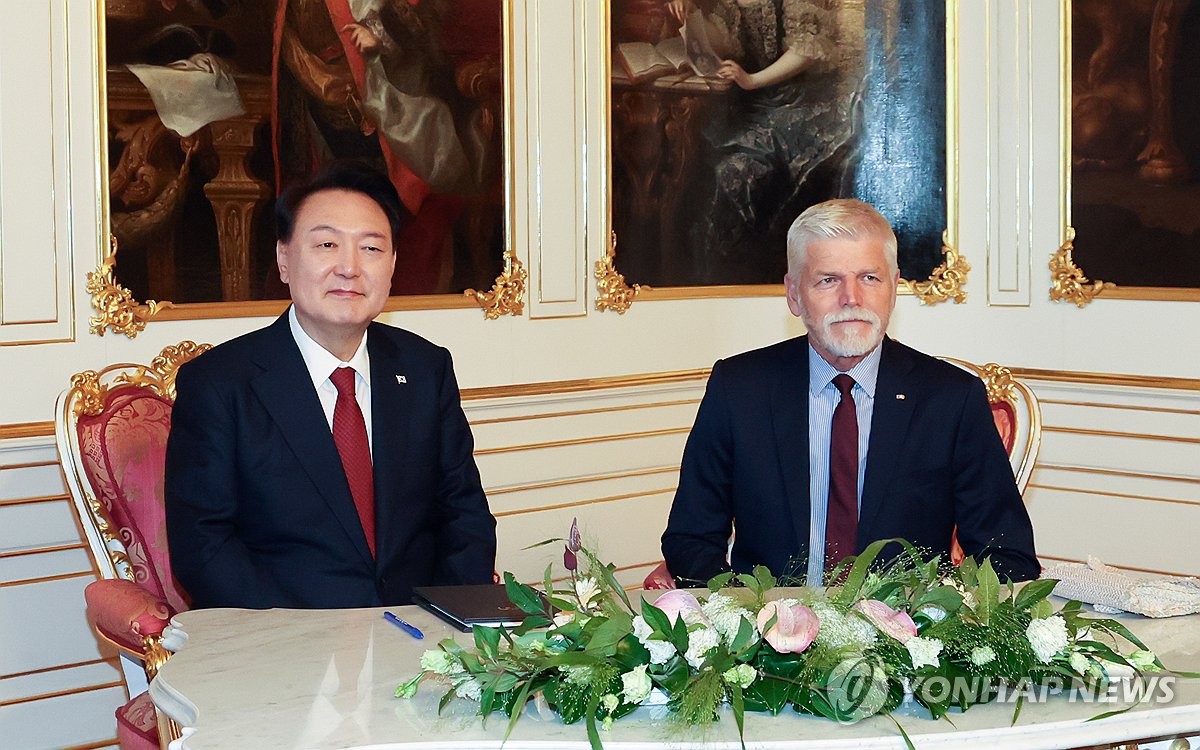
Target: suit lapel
{"x": 286, "y": 392}
{"x": 789, "y": 416}
{"x": 889, "y": 429}
{"x": 391, "y": 409}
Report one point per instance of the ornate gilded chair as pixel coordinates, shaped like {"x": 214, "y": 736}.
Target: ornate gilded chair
{"x": 111, "y": 427}
{"x": 1018, "y": 420}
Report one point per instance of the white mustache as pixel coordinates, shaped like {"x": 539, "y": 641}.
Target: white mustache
{"x": 851, "y": 313}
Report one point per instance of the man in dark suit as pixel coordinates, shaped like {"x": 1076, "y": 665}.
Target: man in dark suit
{"x": 325, "y": 461}
{"x": 817, "y": 446}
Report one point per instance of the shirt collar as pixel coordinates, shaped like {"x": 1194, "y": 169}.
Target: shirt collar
{"x": 319, "y": 362}
{"x": 865, "y": 373}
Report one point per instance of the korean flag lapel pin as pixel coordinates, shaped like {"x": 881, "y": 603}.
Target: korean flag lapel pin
{"x": 401, "y": 379}
{"x": 899, "y": 396}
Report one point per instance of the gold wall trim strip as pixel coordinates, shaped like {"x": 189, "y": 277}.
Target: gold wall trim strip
{"x": 61, "y": 693}
{"x": 583, "y": 412}
{"x": 1124, "y": 495}
{"x": 1119, "y": 434}
{"x": 26, "y": 430}
{"x": 1116, "y": 473}
{"x": 1159, "y": 293}
{"x": 584, "y": 384}
{"x": 1106, "y": 378}
{"x": 30, "y": 465}
{"x": 59, "y": 667}
{"x": 584, "y": 441}
{"x": 33, "y": 500}
{"x": 41, "y": 550}
{"x": 582, "y": 480}
{"x": 1154, "y": 571}
{"x": 45, "y": 579}
{"x": 1126, "y": 407}
{"x": 581, "y": 503}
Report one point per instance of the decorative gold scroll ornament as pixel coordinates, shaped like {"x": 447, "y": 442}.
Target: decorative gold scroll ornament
{"x": 115, "y": 305}
{"x": 614, "y": 293}
{"x": 1000, "y": 384}
{"x": 947, "y": 280}
{"x": 507, "y": 296}
{"x": 1069, "y": 282}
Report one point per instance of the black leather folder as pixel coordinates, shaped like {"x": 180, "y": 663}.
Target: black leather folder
{"x": 474, "y": 604}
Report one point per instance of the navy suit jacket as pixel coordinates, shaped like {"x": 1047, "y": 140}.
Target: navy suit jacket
{"x": 259, "y": 513}
{"x": 935, "y": 460}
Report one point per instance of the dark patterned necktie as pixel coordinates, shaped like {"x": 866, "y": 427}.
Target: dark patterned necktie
{"x": 350, "y": 436}
{"x": 841, "y": 521}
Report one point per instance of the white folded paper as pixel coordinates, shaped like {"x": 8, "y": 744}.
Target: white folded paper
{"x": 189, "y": 94}
{"x": 1122, "y": 590}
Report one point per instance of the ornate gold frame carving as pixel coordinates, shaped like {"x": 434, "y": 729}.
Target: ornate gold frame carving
{"x": 114, "y": 304}
{"x": 119, "y": 311}
{"x": 116, "y": 549}
{"x": 1068, "y": 282}
{"x": 1000, "y": 384}
{"x": 90, "y": 387}
{"x": 945, "y": 282}
{"x": 612, "y": 291}
{"x": 507, "y": 296}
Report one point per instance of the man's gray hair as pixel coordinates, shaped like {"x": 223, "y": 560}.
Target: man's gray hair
{"x": 845, "y": 218}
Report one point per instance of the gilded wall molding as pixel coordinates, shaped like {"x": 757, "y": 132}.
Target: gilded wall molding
{"x": 612, "y": 291}
{"x": 114, "y": 304}
{"x": 1068, "y": 282}
{"x": 507, "y": 296}
{"x": 947, "y": 280}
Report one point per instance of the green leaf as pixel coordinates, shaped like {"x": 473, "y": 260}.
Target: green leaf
{"x": 656, "y": 618}
{"x": 630, "y": 653}
{"x": 968, "y": 571}
{"x": 592, "y": 732}
{"x": 523, "y": 696}
{"x": 745, "y": 638}
{"x": 1033, "y": 592}
{"x": 525, "y": 597}
{"x": 1041, "y": 610}
{"x": 987, "y": 594}
{"x": 766, "y": 581}
{"x": 720, "y": 581}
{"x": 606, "y": 636}
{"x": 858, "y": 572}
{"x": 445, "y": 701}
{"x": 739, "y": 712}
{"x": 487, "y": 641}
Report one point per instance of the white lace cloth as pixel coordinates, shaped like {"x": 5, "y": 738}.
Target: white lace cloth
{"x": 1115, "y": 590}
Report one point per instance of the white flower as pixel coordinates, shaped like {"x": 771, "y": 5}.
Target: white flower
{"x": 563, "y": 618}
{"x": 609, "y": 703}
{"x": 700, "y": 642}
{"x": 924, "y": 651}
{"x": 981, "y": 655}
{"x": 586, "y": 591}
{"x": 1048, "y": 637}
{"x": 469, "y": 688}
{"x": 635, "y": 684}
{"x": 660, "y": 651}
{"x": 1143, "y": 661}
{"x": 841, "y": 631}
{"x": 726, "y": 616}
{"x": 1079, "y": 663}
{"x": 933, "y": 612}
{"x": 741, "y": 675}
{"x": 440, "y": 662}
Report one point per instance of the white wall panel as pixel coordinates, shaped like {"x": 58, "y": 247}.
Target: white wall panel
{"x": 35, "y": 260}
{"x": 65, "y": 721}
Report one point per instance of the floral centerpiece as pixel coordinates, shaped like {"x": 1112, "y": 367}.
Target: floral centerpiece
{"x": 946, "y": 637}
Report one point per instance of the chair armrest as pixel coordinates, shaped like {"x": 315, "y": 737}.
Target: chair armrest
{"x": 126, "y": 613}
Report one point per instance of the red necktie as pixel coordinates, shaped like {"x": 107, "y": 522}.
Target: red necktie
{"x": 350, "y": 435}
{"x": 841, "y": 522}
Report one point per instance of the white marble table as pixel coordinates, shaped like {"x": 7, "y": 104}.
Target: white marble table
{"x": 325, "y": 679}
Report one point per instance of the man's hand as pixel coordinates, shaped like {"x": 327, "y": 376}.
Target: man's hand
{"x": 363, "y": 38}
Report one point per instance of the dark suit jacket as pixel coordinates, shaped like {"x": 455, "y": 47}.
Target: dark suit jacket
{"x": 935, "y": 460}
{"x": 259, "y": 513}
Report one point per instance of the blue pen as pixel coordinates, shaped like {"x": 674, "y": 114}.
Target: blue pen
{"x": 412, "y": 630}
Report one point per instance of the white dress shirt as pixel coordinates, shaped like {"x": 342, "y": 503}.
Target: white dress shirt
{"x": 321, "y": 364}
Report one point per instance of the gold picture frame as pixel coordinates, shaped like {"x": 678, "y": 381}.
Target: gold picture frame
{"x": 1069, "y": 281}
{"x": 116, "y": 308}
{"x": 946, "y": 281}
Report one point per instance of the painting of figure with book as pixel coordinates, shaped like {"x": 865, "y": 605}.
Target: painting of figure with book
{"x": 732, "y": 116}
{"x": 214, "y": 106}
{"x": 1135, "y": 138}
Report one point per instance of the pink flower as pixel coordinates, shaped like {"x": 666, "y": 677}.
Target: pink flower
{"x": 681, "y": 603}
{"x": 795, "y": 626}
{"x": 573, "y": 545}
{"x": 892, "y": 622}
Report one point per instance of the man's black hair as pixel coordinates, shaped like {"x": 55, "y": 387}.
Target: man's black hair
{"x": 341, "y": 174}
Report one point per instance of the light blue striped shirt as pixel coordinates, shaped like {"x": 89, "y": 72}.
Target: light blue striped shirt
{"x": 823, "y": 398}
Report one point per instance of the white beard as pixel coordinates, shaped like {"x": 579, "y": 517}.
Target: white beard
{"x": 848, "y": 343}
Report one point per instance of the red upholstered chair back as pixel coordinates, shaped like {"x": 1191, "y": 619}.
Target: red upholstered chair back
{"x": 123, "y": 450}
